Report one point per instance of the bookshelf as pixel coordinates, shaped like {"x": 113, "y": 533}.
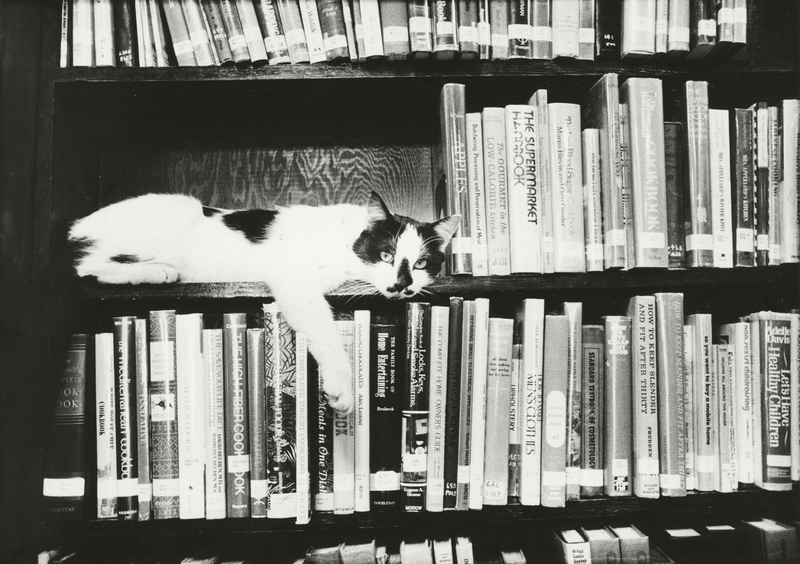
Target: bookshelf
{"x": 76, "y": 139}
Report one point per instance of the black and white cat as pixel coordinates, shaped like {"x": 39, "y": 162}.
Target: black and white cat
{"x": 301, "y": 252}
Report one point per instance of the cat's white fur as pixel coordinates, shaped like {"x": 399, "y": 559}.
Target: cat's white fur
{"x": 307, "y": 254}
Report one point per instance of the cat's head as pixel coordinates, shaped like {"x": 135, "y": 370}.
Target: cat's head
{"x": 401, "y": 255}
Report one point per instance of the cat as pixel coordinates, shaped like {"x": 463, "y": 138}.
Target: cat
{"x": 301, "y": 252}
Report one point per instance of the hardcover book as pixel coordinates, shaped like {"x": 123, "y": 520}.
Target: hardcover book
{"x": 638, "y": 28}
{"x": 373, "y": 30}
{"x": 395, "y": 27}
{"x": 214, "y": 424}
{"x": 103, "y": 25}
{"x": 363, "y": 395}
{"x": 237, "y": 426}
{"x": 105, "y": 427}
{"x": 705, "y": 463}
{"x": 593, "y": 404}
{"x": 420, "y": 29}
{"x": 592, "y": 208}
{"x": 303, "y": 448}
{"x": 216, "y": 27}
{"x": 344, "y": 440}
{"x": 465, "y": 405}
{"x": 201, "y": 44}
{"x": 498, "y": 401}
{"x": 496, "y": 191}
{"x": 618, "y": 399}
{"x": 661, "y": 26}
{"x": 554, "y": 410}
{"x": 566, "y": 18}
{"x": 252, "y": 32}
{"x": 690, "y": 469}
{"x": 515, "y": 424}
{"x": 124, "y": 34}
{"x": 498, "y": 21}
{"x": 530, "y": 330}
{"x": 257, "y": 407}
{"x": 322, "y": 445}
{"x": 313, "y": 31}
{"x": 790, "y": 176}
{"x": 673, "y": 168}
{"x": 445, "y": 29}
{"x": 703, "y": 29}
{"x": 468, "y": 29}
{"x": 608, "y": 29}
{"x": 178, "y": 31}
{"x": 292, "y": 22}
{"x": 143, "y": 421}
{"x": 520, "y": 31}
{"x": 763, "y": 209}
{"x": 586, "y": 24}
{"x": 574, "y": 313}
{"x": 125, "y": 418}
{"x": 539, "y": 101}
{"x": 437, "y": 401}
{"x": 721, "y": 212}
{"x": 477, "y": 194}
{"x": 679, "y": 31}
{"x": 453, "y": 402}
{"x": 541, "y": 29}
{"x": 334, "y": 30}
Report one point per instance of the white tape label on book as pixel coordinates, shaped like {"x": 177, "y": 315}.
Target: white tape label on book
{"x": 740, "y": 15}
{"x": 145, "y": 492}
{"x": 573, "y": 475}
{"x": 707, "y": 27}
{"x": 344, "y": 482}
{"x": 700, "y": 242}
{"x": 542, "y": 33}
{"x": 468, "y": 34}
{"x": 616, "y": 237}
{"x": 520, "y": 31}
{"x": 335, "y": 42}
{"x": 384, "y": 481}
{"x": 725, "y": 16}
{"x": 591, "y": 478}
{"x": 107, "y": 489}
{"x": 294, "y": 37}
{"x": 395, "y": 34}
{"x": 779, "y": 460}
{"x": 445, "y": 28}
{"x": 459, "y": 245}
{"x": 258, "y": 489}
{"x": 238, "y": 463}
{"x": 162, "y": 361}
{"x": 167, "y": 487}
{"x": 554, "y": 479}
{"x": 619, "y": 467}
{"x": 650, "y": 240}
{"x": 647, "y": 466}
{"x": 415, "y": 462}
{"x": 556, "y": 418}
{"x": 499, "y": 41}
{"x": 484, "y": 33}
{"x": 644, "y": 24}
{"x": 762, "y": 242}
{"x": 586, "y": 35}
{"x": 463, "y": 475}
{"x": 419, "y": 24}
{"x": 661, "y": 27}
{"x": 594, "y": 251}
{"x": 63, "y": 487}
{"x": 127, "y": 487}
{"x": 744, "y": 240}
{"x": 670, "y": 481}
{"x": 679, "y": 34}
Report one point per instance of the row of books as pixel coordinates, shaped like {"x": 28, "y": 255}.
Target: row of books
{"x": 130, "y": 33}
{"x": 197, "y": 422}
{"x": 540, "y": 194}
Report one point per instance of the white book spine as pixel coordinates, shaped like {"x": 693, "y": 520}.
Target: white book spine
{"x": 539, "y": 101}
{"x": 688, "y": 407}
{"x": 443, "y": 551}
{"x": 645, "y": 400}
{"x": 104, "y": 53}
{"x": 201, "y": 43}
{"x": 721, "y": 211}
{"x": 344, "y": 458}
{"x": 477, "y": 438}
{"x": 732, "y": 418}
{"x": 142, "y": 27}
{"x": 794, "y": 382}
{"x": 705, "y": 462}
{"x": 790, "y": 235}
{"x": 726, "y": 482}
{"x": 498, "y": 404}
{"x": 252, "y": 32}
{"x": 566, "y": 20}
{"x": 437, "y": 402}
{"x": 313, "y": 29}
{"x": 214, "y": 424}
{"x": 105, "y": 426}
{"x": 592, "y": 210}
{"x": 638, "y": 28}
{"x": 64, "y": 47}
{"x": 371, "y": 24}
{"x": 464, "y": 554}
{"x": 302, "y": 429}
{"x": 496, "y": 192}
{"x": 82, "y": 33}
{"x": 531, "y": 401}
{"x": 775, "y": 203}
{"x": 361, "y": 353}
{"x": 737, "y": 335}
{"x": 477, "y": 194}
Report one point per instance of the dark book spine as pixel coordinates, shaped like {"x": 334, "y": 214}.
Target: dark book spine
{"x": 608, "y": 18}
{"x": 125, "y": 34}
{"x": 414, "y": 439}
{"x": 386, "y": 420}
{"x": 743, "y": 183}
{"x": 592, "y": 459}
{"x": 673, "y": 166}
{"x": 64, "y": 466}
{"x": 216, "y": 25}
{"x": 468, "y": 28}
{"x": 321, "y": 444}
{"x": 257, "y": 406}
{"x": 237, "y": 426}
{"x": 334, "y": 33}
{"x": 453, "y": 395}
{"x": 234, "y": 31}
{"x": 420, "y": 29}
{"x": 125, "y": 415}
{"x": 484, "y": 30}
{"x": 761, "y": 158}
{"x": 292, "y": 22}
{"x": 445, "y": 32}
{"x": 519, "y": 29}
{"x": 272, "y": 30}
{"x": 703, "y": 27}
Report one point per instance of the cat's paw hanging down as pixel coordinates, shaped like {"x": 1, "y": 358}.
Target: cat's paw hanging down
{"x": 301, "y": 252}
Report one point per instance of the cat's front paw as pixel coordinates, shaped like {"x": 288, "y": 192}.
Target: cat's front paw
{"x": 338, "y": 387}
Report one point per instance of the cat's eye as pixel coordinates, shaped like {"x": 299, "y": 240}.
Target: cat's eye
{"x": 420, "y": 264}
{"x": 387, "y": 257}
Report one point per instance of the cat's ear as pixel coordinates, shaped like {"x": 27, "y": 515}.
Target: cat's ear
{"x": 376, "y": 209}
{"x": 445, "y": 227}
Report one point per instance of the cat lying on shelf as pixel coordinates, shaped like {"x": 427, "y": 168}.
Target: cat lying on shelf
{"x": 301, "y": 252}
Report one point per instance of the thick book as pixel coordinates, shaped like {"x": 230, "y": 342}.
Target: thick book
{"x": 721, "y": 212}
{"x": 125, "y": 34}
{"x": 143, "y": 421}
{"x": 567, "y": 187}
{"x": 363, "y": 394}
{"x": 237, "y": 423}
{"x": 574, "y": 313}
{"x": 593, "y": 421}
{"x": 539, "y": 102}
{"x": 350, "y": 30}
{"x": 103, "y": 26}
{"x": 216, "y": 28}
{"x": 775, "y": 204}
{"x": 257, "y": 407}
{"x": 703, "y": 29}
{"x": 322, "y": 445}
{"x": 453, "y": 402}
{"x": 679, "y": 24}
{"x": 445, "y": 29}
{"x": 520, "y": 31}
{"x": 292, "y": 22}
{"x": 373, "y": 31}
{"x": 464, "y": 425}
{"x": 554, "y": 410}
{"x": 214, "y": 424}
{"x": 272, "y": 30}
{"x": 344, "y": 440}
{"x": 164, "y": 415}
{"x": 603, "y": 546}
{"x": 789, "y": 171}
{"x": 201, "y": 43}
{"x": 541, "y": 29}
{"x": 697, "y": 183}
{"x": 496, "y": 192}
{"x": 618, "y": 399}
{"x": 608, "y": 29}
{"x": 498, "y": 399}
{"x": 358, "y": 32}
{"x": 313, "y": 31}
{"x": 592, "y": 207}
{"x": 334, "y": 32}
{"x": 671, "y": 392}
{"x": 601, "y": 112}
{"x": 477, "y": 194}
{"x": 498, "y": 23}
{"x": 420, "y": 29}
{"x": 179, "y": 33}
{"x": 414, "y": 431}
{"x": 437, "y": 401}
{"x": 386, "y": 371}
{"x": 566, "y": 17}
{"x": 572, "y": 546}
{"x": 125, "y": 415}
{"x": 468, "y": 29}
{"x": 191, "y": 407}
{"x": 634, "y": 546}
{"x": 64, "y": 466}
{"x": 524, "y": 187}
{"x": 530, "y": 330}
{"x": 673, "y": 169}
{"x": 105, "y": 426}
{"x": 515, "y": 419}
{"x": 252, "y": 32}
{"x": 771, "y": 541}
{"x": 586, "y": 25}
{"x": 645, "y": 109}
{"x": 638, "y": 28}
{"x": 705, "y": 463}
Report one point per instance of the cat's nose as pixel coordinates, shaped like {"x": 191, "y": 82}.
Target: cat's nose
{"x": 408, "y": 292}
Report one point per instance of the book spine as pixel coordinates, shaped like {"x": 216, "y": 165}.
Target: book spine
{"x": 496, "y": 192}
{"x": 532, "y": 332}
{"x": 437, "y": 402}
{"x": 143, "y": 421}
{"x": 498, "y": 24}
{"x": 525, "y": 230}
{"x": 790, "y": 175}
{"x": 775, "y": 205}
{"x": 453, "y": 402}
{"x": 216, "y": 26}
{"x": 618, "y": 400}
{"x": 673, "y": 169}
{"x": 252, "y": 31}
{"x": 358, "y": 31}
{"x": 586, "y": 39}
{"x": 498, "y": 402}
{"x": 638, "y": 28}
{"x": 515, "y": 419}
{"x": 386, "y": 419}
{"x": 64, "y": 469}
{"x": 465, "y": 406}
{"x": 539, "y": 101}
{"x": 592, "y": 209}
{"x": 197, "y": 32}
{"x": 303, "y": 449}
{"x": 313, "y": 31}
{"x": 159, "y": 37}
{"x": 477, "y": 194}
{"x": 104, "y": 52}
{"x": 705, "y": 464}
{"x": 373, "y": 31}
{"x": 627, "y": 184}
{"x": 554, "y": 410}
{"x": 454, "y": 142}
{"x": 361, "y": 354}
{"x": 273, "y": 32}
{"x": 257, "y": 407}
{"x": 678, "y": 33}
{"x": 124, "y": 34}
{"x": 567, "y": 187}
{"x": 574, "y": 313}
{"x": 164, "y": 415}
{"x": 125, "y": 418}
{"x": 420, "y": 29}
{"x": 237, "y": 440}
{"x": 478, "y": 419}
{"x": 334, "y": 32}
{"x": 179, "y": 32}
{"x": 350, "y": 31}
{"x": 65, "y": 46}
{"x": 762, "y": 192}
{"x": 322, "y": 446}
{"x": 719, "y": 144}
{"x": 105, "y": 426}
{"x": 468, "y": 29}
{"x": 671, "y": 391}
{"x": 445, "y": 29}
{"x": 344, "y": 441}
{"x": 191, "y": 404}
{"x": 541, "y": 31}
{"x": 727, "y": 431}
{"x": 520, "y": 30}
{"x": 740, "y": 21}
{"x": 703, "y": 27}
{"x": 661, "y": 26}
{"x": 235, "y": 31}
{"x": 698, "y": 227}
{"x": 738, "y": 336}
{"x": 82, "y": 33}
{"x": 484, "y": 30}
{"x": 690, "y": 468}
{"x": 292, "y": 21}
{"x": 214, "y": 424}
{"x": 144, "y": 36}
{"x": 414, "y": 432}
{"x": 592, "y": 455}
{"x": 608, "y": 29}
{"x": 794, "y": 392}
{"x": 566, "y": 27}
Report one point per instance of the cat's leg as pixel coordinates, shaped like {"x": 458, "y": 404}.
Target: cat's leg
{"x": 112, "y": 272}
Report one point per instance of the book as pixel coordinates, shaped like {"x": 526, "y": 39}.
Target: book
{"x": 477, "y": 194}
{"x": 554, "y": 410}
{"x": 678, "y": 32}
{"x": 524, "y": 203}
{"x": 530, "y": 330}
{"x": 216, "y": 27}
{"x": 143, "y": 421}
{"x": 593, "y": 405}
{"x": 761, "y": 139}
{"x": 674, "y": 175}
{"x": 252, "y": 32}
{"x": 521, "y": 18}
{"x": 161, "y": 49}
{"x": 416, "y": 552}
{"x": 567, "y": 187}
{"x": 454, "y": 160}
{"x": 794, "y": 394}
{"x": 644, "y": 103}
{"x": 464, "y": 426}
{"x": 124, "y": 34}
{"x": 361, "y": 363}
{"x": 618, "y": 399}
{"x": 237, "y": 423}
{"x": 586, "y": 40}
{"x": 313, "y": 31}
{"x": 634, "y": 546}
{"x": 420, "y": 29}
{"x": 463, "y": 551}
{"x": 789, "y": 171}
{"x": 105, "y": 426}
{"x": 690, "y": 469}
{"x": 453, "y": 402}
{"x": 468, "y": 29}
{"x": 515, "y": 419}
{"x": 103, "y": 29}
{"x": 498, "y": 22}
{"x": 498, "y": 400}
{"x": 703, "y": 29}
{"x": 64, "y": 463}
{"x": 671, "y": 393}
{"x": 721, "y": 212}
{"x": 178, "y": 31}
{"x": 322, "y": 445}
{"x": 705, "y": 463}
{"x": 592, "y": 208}
{"x": 771, "y": 541}
{"x": 574, "y": 548}
{"x": 292, "y": 22}
{"x": 302, "y": 432}
{"x": 603, "y": 546}
{"x": 216, "y": 506}
{"x": 726, "y": 435}
{"x": 164, "y": 415}
{"x": 726, "y": 45}
{"x": 145, "y": 39}
{"x": 740, "y": 21}
{"x": 344, "y": 440}
{"x": 601, "y": 112}
{"x": 373, "y": 31}
{"x": 257, "y": 408}
{"x": 608, "y": 29}
{"x": 65, "y": 46}
{"x": 273, "y": 32}
{"x": 697, "y": 185}
{"x": 496, "y": 192}
{"x": 334, "y": 32}
{"x": 191, "y": 408}
{"x": 484, "y": 30}
{"x": 414, "y": 432}
{"x": 358, "y": 32}
{"x": 201, "y": 44}
{"x": 638, "y": 28}
{"x": 661, "y": 27}
{"x": 775, "y": 203}
{"x": 235, "y": 32}
{"x": 445, "y": 29}
{"x": 82, "y": 33}
{"x": 566, "y": 18}
{"x": 437, "y": 402}
{"x": 574, "y": 313}
{"x": 539, "y": 102}
{"x": 541, "y": 29}
{"x": 125, "y": 417}
{"x": 386, "y": 370}
{"x": 350, "y": 30}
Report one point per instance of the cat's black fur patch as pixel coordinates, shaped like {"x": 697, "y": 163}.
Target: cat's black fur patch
{"x": 125, "y": 259}
{"x": 210, "y": 212}
{"x": 253, "y": 224}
